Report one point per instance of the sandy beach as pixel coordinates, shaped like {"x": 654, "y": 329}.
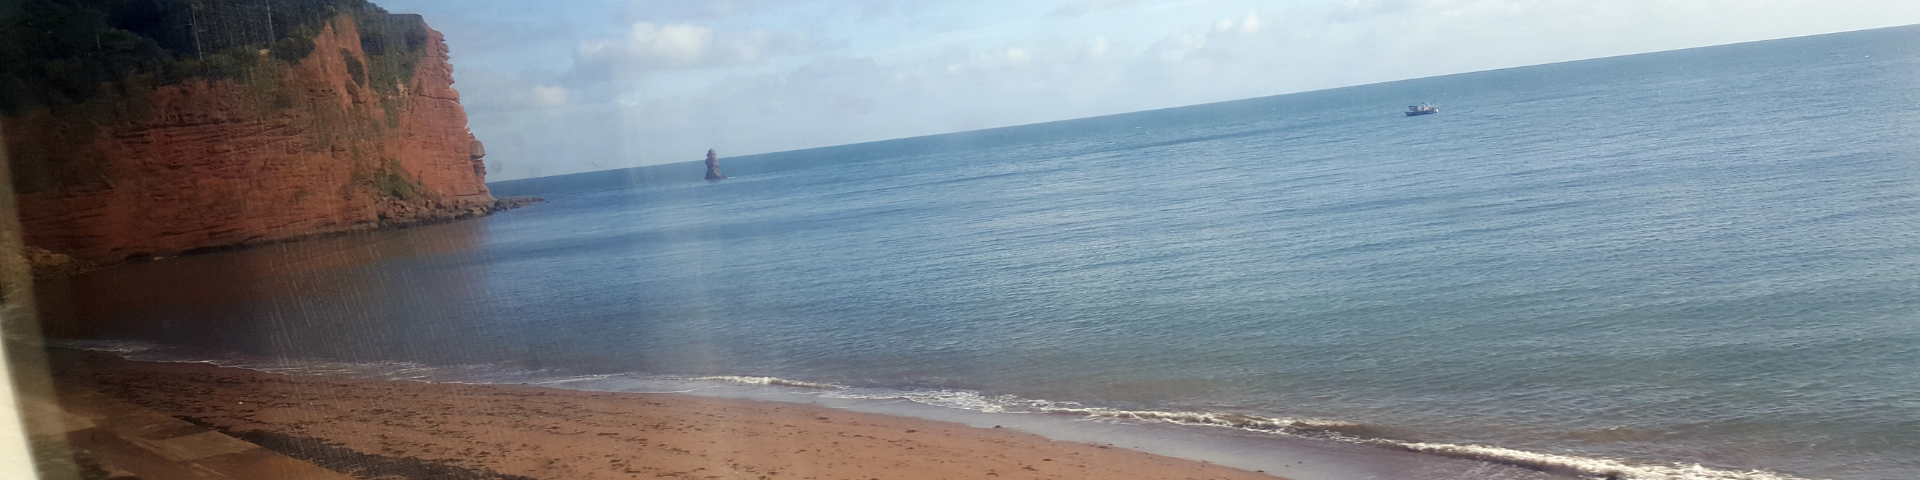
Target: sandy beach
{"x": 498, "y": 431}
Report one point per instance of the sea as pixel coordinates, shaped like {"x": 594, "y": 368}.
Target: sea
{"x": 1695, "y": 264}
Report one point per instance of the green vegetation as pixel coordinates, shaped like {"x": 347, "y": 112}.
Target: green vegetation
{"x": 58, "y": 53}
{"x": 354, "y": 68}
{"x": 85, "y": 65}
{"x": 395, "y": 182}
{"x": 293, "y": 49}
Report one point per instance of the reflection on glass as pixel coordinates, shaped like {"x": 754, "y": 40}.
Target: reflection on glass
{"x": 1690, "y": 264}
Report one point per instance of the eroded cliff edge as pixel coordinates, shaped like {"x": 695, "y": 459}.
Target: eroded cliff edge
{"x": 283, "y": 146}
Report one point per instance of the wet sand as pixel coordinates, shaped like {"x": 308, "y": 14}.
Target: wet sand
{"x": 547, "y": 433}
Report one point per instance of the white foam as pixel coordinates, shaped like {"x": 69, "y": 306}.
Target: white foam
{"x": 122, "y": 347}
{"x": 1232, "y": 420}
{"x": 1586, "y": 467}
{"x": 1582, "y": 467}
{"x": 774, "y": 381}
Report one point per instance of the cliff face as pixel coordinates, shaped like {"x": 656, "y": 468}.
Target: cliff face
{"x": 292, "y": 149}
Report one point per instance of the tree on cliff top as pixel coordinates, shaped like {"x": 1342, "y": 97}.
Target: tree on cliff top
{"x": 60, "y": 52}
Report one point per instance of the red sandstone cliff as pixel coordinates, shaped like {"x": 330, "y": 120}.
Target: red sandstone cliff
{"x": 303, "y": 149}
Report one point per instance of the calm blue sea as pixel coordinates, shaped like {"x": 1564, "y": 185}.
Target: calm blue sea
{"x": 1692, "y": 264}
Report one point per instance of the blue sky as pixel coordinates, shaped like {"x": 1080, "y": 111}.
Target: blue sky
{"x": 563, "y": 87}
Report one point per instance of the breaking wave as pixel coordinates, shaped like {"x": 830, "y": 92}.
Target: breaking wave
{"x": 769, "y": 381}
{"x": 124, "y": 348}
{"x": 1585, "y": 467}
{"x": 1378, "y": 436}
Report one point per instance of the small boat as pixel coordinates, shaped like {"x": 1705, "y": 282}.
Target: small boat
{"x": 1422, "y": 109}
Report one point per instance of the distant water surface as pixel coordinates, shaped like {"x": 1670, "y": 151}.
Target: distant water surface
{"x": 1631, "y": 265}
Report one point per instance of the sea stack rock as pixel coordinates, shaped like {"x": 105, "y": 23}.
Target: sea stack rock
{"x": 713, "y": 166}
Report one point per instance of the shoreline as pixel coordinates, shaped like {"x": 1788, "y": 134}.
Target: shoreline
{"x": 1152, "y": 434}
{"x": 542, "y": 432}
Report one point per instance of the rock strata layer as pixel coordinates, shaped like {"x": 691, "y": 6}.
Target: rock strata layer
{"x": 307, "y": 149}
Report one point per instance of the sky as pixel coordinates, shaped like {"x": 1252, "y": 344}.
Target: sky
{"x": 556, "y": 87}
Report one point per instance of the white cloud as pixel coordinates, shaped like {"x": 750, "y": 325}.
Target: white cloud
{"x": 682, "y": 44}
{"x": 1347, "y": 42}
{"x": 1075, "y": 8}
{"x": 647, "y": 48}
{"x": 746, "y": 81}
{"x": 486, "y": 92}
{"x": 1176, "y": 47}
{"x": 1018, "y": 56}
{"x": 549, "y": 96}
